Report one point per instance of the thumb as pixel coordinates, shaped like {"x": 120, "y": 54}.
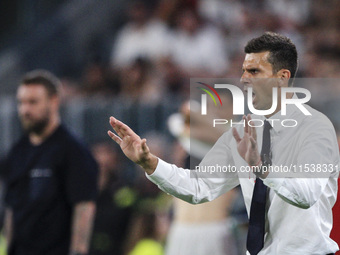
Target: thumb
{"x": 145, "y": 148}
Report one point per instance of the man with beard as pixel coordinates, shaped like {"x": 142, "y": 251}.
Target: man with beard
{"x": 50, "y": 177}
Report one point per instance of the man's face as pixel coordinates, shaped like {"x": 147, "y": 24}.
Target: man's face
{"x": 34, "y": 107}
{"x": 258, "y": 74}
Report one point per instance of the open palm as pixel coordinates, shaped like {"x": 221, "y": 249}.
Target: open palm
{"x": 247, "y": 145}
{"x": 131, "y": 144}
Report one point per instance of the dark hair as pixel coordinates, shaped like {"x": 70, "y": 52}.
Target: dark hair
{"x": 44, "y": 78}
{"x": 282, "y": 50}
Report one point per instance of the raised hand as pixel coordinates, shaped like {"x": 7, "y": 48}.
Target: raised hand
{"x": 133, "y": 146}
{"x": 247, "y": 145}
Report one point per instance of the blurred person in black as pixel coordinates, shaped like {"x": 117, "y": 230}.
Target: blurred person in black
{"x": 50, "y": 177}
{"x": 115, "y": 203}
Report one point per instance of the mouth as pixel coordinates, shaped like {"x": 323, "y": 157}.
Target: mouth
{"x": 253, "y": 93}
{"x": 26, "y": 118}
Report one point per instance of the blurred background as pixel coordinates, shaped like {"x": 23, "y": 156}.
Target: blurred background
{"x": 134, "y": 60}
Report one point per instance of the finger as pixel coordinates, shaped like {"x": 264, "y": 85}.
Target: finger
{"x": 117, "y": 126}
{"x": 119, "y": 133}
{"x": 126, "y": 130}
{"x": 145, "y": 147}
{"x": 245, "y": 124}
{"x": 249, "y": 123}
{"x": 112, "y": 122}
{"x": 138, "y": 147}
{"x": 236, "y": 135}
{"x": 253, "y": 132}
{"x": 121, "y": 129}
{"x": 114, "y": 137}
{"x": 252, "y": 128}
{"x": 253, "y": 143}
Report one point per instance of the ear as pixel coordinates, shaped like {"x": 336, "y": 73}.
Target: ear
{"x": 284, "y": 76}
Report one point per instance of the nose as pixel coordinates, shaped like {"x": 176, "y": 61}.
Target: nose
{"x": 23, "y": 108}
{"x": 245, "y": 78}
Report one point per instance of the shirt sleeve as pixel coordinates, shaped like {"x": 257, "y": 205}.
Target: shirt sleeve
{"x": 196, "y": 186}
{"x": 316, "y": 166}
{"x": 81, "y": 174}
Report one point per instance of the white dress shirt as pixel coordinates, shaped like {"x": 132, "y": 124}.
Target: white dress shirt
{"x": 299, "y": 210}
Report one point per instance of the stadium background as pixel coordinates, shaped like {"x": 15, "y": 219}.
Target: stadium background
{"x": 92, "y": 46}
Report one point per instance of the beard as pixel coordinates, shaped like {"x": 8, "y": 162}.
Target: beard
{"x": 34, "y": 126}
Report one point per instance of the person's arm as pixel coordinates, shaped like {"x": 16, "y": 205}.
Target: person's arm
{"x": 8, "y": 225}
{"x": 83, "y": 217}
{"x": 319, "y": 161}
{"x": 133, "y": 146}
{"x": 188, "y": 185}
{"x": 301, "y": 189}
